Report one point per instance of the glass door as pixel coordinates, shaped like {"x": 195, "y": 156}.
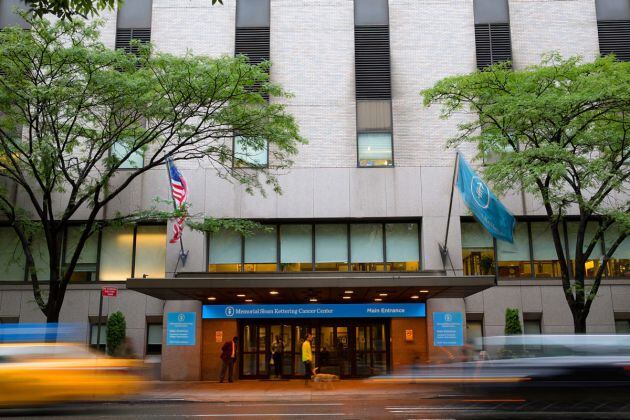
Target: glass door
{"x": 371, "y": 350}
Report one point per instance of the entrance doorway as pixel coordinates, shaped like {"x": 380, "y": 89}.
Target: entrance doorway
{"x": 347, "y": 348}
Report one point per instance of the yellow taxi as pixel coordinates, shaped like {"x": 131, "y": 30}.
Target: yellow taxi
{"x": 47, "y": 373}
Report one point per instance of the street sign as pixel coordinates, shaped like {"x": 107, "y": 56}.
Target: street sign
{"x": 109, "y": 292}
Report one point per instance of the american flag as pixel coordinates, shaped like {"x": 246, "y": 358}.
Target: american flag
{"x": 179, "y": 191}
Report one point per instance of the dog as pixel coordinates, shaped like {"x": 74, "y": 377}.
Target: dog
{"x": 325, "y": 380}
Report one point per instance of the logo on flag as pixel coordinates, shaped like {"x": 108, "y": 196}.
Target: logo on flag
{"x": 179, "y": 191}
{"x": 486, "y": 207}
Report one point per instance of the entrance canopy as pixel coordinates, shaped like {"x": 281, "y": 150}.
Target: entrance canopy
{"x": 299, "y": 287}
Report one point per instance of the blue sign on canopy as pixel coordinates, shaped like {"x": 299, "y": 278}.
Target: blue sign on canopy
{"x": 448, "y": 329}
{"x": 350, "y": 310}
{"x": 180, "y": 329}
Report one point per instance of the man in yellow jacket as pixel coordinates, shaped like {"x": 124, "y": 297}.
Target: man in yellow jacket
{"x": 307, "y": 356}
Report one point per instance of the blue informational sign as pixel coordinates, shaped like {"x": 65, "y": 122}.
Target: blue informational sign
{"x": 180, "y": 329}
{"x": 350, "y": 310}
{"x": 448, "y": 329}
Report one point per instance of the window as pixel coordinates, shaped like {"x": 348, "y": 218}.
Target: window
{"x": 622, "y": 326}
{"x": 12, "y": 259}
{"x": 85, "y": 270}
{"x": 532, "y": 326}
{"x": 513, "y": 258}
{"x": 474, "y": 333}
{"x": 373, "y": 83}
{"x": 94, "y": 342}
{"x": 250, "y": 153}
{"x": 154, "y": 338}
{"x": 402, "y": 246}
{"x": 366, "y": 244}
{"x": 546, "y": 262}
{"x": 41, "y": 257}
{"x": 592, "y": 264}
{"x": 150, "y": 251}
{"x": 477, "y": 250}
{"x": 225, "y": 252}
{"x": 331, "y": 247}
{"x": 296, "y": 247}
{"x": 619, "y": 264}
{"x": 116, "y": 253}
{"x": 133, "y": 23}
{"x": 492, "y": 32}
{"x": 261, "y": 251}
{"x": 8, "y": 17}
{"x": 613, "y": 27}
{"x": 121, "y": 149}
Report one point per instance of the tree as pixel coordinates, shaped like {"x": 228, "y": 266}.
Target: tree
{"x": 559, "y": 130}
{"x": 67, "y": 9}
{"x": 116, "y": 331}
{"x": 66, "y": 101}
{"x": 512, "y": 322}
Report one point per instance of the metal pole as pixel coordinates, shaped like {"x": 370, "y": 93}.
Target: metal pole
{"x": 98, "y": 328}
{"x": 182, "y": 254}
{"x": 450, "y": 204}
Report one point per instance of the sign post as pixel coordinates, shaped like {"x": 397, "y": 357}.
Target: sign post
{"x": 109, "y": 292}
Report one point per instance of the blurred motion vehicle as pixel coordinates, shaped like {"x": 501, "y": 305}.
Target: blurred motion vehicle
{"x": 535, "y": 360}
{"x": 48, "y": 373}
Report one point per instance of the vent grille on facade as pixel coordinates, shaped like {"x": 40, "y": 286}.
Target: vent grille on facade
{"x": 493, "y": 43}
{"x": 254, "y": 43}
{"x": 614, "y": 38}
{"x": 124, "y": 37}
{"x": 371, "y": 48}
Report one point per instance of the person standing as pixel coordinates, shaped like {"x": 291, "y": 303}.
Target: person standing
{"x": 229, "y": 350}
{"x": 277, "y": 350}
{"x": 307, "y": 357}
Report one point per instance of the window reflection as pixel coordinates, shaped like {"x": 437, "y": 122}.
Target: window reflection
{"x": 477, "y": 250}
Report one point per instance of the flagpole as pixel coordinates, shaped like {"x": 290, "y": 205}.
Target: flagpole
{"x": 444, "y": 248}
{"x": 182, "y": 254}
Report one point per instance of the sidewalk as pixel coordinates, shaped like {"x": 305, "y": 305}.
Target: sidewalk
{"x": 260, "y": 390}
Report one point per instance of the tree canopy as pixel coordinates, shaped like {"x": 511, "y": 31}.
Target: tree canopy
{"x": 73, "y": 112}
{"x": 561, "y": 131}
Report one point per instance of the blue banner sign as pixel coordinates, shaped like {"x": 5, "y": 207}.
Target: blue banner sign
{"x": 448, "y": 329}
{"x": 339, "y": 310}
{"x": 180, "y": 329}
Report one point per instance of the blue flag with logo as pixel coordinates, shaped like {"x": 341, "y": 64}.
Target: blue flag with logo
{"x": 486, "y": 207}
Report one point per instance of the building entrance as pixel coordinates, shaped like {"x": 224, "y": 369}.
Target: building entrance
{"x": 348, "y": 348}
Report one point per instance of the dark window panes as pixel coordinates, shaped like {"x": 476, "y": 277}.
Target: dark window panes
{"x": 491, "y": 11}
{"x": 375, "y": 149}
{"x": 102, "y": 343}
{"x": 252, "y": 13}
{"x": 371, "y": 12}
{"x": 612, "y": 9}
{"x": 532, "y": 327}
{"x": 135, "y": 14}
{"x": 154, "y": 339}
{"x": 12, "y": 259}
{"x": 8, "y": 15}
{"x": 622, "y": 326}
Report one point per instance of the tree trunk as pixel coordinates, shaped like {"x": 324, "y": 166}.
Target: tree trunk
{"x": 579, "y": 322}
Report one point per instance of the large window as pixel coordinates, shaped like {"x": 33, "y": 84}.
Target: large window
{"x": 619, "y": 264}
{"x": 318, "y": 247}
{"x": 546, "y": 263}
{"x": 150, "y": 251}
{"x": 12, "y": 260}
{"x": 85, "y": 269}
{"x": 116, "y": 253}
{"x": 592, "y": 264}
{"x": 477, "y": 250}
{"x": 513, "y": 258}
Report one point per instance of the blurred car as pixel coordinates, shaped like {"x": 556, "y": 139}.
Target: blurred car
{"x": 49, "y": 373}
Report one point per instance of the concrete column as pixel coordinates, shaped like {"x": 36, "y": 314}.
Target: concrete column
{"x": 444, "y": 354}
{"x": 182, "y": 363}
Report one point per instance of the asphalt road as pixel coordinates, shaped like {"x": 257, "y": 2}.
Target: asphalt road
{"x": 447, "y": 407}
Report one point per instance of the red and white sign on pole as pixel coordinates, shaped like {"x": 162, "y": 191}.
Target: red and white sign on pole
{"x": 109, "y": 292}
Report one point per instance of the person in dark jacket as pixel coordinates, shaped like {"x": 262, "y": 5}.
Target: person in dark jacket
{"x": 229, "y": 350}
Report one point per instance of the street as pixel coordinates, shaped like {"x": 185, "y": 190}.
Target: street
{"x": 440, "y": 407}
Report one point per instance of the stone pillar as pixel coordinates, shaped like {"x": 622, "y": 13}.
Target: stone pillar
{"x": 449, "y": 353}
{"x": 182, "y": 363}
